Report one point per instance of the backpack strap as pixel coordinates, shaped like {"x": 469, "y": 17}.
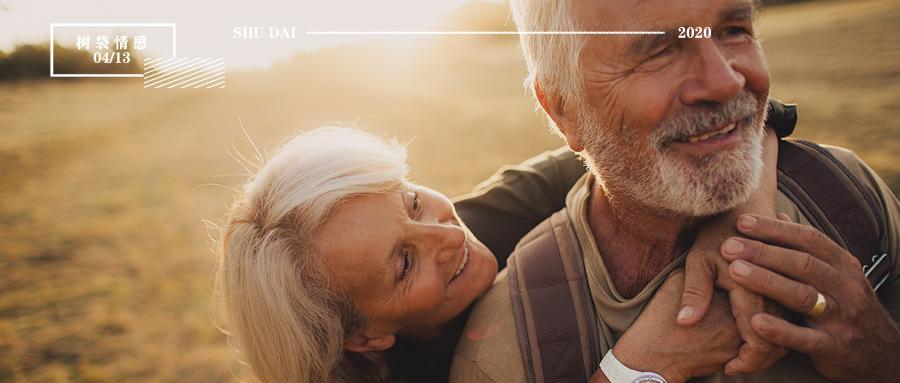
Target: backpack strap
{"x": 555, "y": 316}
{"x": 837, "y": 203}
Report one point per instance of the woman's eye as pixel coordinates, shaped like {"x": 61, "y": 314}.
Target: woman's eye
{"x": 406, "y": 265}
{"x": 414, "y": 204}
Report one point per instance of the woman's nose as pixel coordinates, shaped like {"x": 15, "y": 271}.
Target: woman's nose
{"x": 444, "y": 214}
{"x": 444, "y": 240}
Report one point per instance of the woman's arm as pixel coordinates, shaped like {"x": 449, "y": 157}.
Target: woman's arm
{"x": 705, "y": 267}
{"x": 517, "y": 198}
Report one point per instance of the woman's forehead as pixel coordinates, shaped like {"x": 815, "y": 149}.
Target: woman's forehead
{"x": 359, "y": 237}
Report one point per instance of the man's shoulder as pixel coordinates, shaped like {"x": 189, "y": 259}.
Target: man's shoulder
{"x": 869, "y": 180}
{"x": 854, "y": 164}
{"x": 858, "y": 168}
{"x": 489, "y": 348}
{"x": 866, "y": 177}
{"x": 882, "y": 193}
{"x": 846, "y": 157}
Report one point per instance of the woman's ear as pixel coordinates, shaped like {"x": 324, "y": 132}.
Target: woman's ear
{"x": 562, "y": 114}
{"x": 364, "y": 343}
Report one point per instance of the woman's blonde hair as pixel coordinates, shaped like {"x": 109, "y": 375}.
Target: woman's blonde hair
{"x": 287, "y": 323}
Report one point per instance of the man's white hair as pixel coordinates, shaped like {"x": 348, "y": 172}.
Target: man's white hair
{"x": 552, "y": 59}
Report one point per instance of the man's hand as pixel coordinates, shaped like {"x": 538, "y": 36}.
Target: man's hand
{"x": 705, "y": 266}
{"x": 854, "y": 340}
{"x": 656, "y": 343}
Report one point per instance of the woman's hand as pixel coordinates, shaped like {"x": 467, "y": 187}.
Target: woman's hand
{"x": 705, "y": 263}
{"x": 706, "y": 267}
{"x": 655, "y": 343}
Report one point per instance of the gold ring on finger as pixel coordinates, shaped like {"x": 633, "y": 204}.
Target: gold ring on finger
{"x": 819, "y": 308}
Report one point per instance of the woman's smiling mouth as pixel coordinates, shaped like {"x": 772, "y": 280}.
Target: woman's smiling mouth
{"x": 463, "y": 262}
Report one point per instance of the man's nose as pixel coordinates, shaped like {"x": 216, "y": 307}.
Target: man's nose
{"x": 715, "y": 80}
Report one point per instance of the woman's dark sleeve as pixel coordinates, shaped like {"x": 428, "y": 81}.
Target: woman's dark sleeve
{"x": 508, "y": 205}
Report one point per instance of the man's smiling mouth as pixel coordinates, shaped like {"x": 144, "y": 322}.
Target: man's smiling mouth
{"x": 705, "y": 136}
{"x": 722, "y": 138}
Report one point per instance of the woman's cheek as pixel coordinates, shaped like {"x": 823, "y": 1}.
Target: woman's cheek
{"x": 427, "y": 297}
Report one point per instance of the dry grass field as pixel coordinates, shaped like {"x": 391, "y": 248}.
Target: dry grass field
{"x": 105, "y": 259}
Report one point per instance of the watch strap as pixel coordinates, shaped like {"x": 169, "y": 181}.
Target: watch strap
{"x": 617, "y": 372}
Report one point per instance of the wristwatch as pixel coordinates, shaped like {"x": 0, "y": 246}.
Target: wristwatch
{"x": 617, "y": 372}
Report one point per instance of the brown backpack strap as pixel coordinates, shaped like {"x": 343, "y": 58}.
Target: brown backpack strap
{"x": 552, "y": 306}
{"x": 555, "y": 316}
{"x": 837, "y": 203}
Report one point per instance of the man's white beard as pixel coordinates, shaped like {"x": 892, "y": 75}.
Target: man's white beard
{"x": 675, "y": 184}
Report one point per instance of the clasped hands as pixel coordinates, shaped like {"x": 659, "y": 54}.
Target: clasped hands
{"x": 765, "y": 265}
{"x": 777, "y": 264}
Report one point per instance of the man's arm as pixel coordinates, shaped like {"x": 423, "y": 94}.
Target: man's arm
{"x": 488, "y": 351}
{"x": 466, "y": 370}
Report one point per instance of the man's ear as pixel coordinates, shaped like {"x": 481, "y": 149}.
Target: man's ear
{"x": 362, "y": 342}
{"x": 563, "y": 116}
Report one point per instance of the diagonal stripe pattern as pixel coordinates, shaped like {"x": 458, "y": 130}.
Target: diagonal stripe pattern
{"x": 184, "y": 73}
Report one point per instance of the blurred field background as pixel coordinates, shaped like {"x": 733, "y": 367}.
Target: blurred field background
{"x": 105, "y": 259}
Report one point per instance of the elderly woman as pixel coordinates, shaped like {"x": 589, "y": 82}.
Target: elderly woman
{"x": 330, "y": 255}
{"x": 334, "y": 267}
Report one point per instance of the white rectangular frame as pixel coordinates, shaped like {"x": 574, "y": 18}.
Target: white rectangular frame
{"x": 52, "y": 36}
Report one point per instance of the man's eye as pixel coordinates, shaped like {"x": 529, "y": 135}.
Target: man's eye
{"x": 663, "y": 52}
{"x": 736, "y": 32}
{"x": 407, "y": 263}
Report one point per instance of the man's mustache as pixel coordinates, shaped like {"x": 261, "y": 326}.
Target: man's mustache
{"x": 693, "y": 121}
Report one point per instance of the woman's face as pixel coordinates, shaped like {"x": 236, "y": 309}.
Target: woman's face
{"x": 405, "y": 259}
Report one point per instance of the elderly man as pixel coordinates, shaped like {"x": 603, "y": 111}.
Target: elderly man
{"x": 672, "y": 131}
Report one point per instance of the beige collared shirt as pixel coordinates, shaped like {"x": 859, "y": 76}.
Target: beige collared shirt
{"x": 489, "y": 351}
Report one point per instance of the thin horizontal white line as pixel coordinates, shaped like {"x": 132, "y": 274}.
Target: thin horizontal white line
{"x": 481, "y": 33}
{"x": 94, "y": 75}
